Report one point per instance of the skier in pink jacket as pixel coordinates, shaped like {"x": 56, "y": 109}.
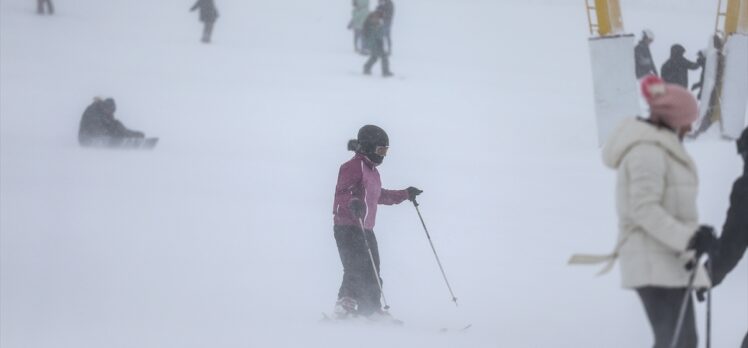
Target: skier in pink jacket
{"x": 357, "y": 194}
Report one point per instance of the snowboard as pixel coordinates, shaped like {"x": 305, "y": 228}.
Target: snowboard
{"x": 123, "y": 143}
{"x": 139, "y": 143}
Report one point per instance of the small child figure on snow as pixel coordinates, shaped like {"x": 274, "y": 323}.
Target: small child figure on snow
{"x": 40, "y": 6}
{"x": 98, "y": 127}
{"x": 357, "y": 194}
{"x": 208, "y": 15}
{"x": 374, "y": 31}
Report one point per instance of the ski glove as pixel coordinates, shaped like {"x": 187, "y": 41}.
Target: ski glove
{"x": 358, "y": 208}
{"x": 704, "y": 240}
{"x": 412, "y": 193}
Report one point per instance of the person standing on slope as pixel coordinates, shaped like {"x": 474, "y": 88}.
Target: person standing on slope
{"x": 643, "y": 57}
{"x": 208, "y": 15}
{"x": 374, "y": 40}
{"x": 388, "y": 14}
{"x": 358, "y": 17}
{"x": 40, "y": 6}
{"x": 734, "y": 238}
{"x": 675, "y": 69}
{"x": 656, "y": 202}
{"x": 357, "y": 194}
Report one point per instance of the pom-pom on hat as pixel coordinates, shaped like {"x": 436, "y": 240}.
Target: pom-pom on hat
{"x": 669, "y": 103}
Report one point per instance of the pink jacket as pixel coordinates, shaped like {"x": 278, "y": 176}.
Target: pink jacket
{"x": 359, "y": 178}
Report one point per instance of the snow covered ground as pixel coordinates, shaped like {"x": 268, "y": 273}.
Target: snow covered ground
{"x": 222, "y": 237}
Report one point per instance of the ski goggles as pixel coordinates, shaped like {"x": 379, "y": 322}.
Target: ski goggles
{"x": 381, "y": 150}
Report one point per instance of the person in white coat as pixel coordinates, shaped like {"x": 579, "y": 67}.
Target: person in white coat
{"x": 656, "y": 191}
{"x": 358, "y": 17}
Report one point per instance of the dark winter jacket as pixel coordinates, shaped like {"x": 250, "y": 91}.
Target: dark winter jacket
{"x": 374, "y": 32}
{"x": 734, "y": 238}
{"x": 675, "y": 69}
{"x": 359, "y": 179}
{"x": 388, "y": 12}
{"x": 643, "y": 59}
{"x": 208, "y": 11}
{"x": 98, "y": 122}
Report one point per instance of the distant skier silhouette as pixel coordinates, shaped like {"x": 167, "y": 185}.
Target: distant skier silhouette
{"x": 208, "y": 15}
{"x": 388, "y": 14}
{"x": 675, "y": 69}
{"x": 40, "y": 4}
{"x": 374, "y": 40}
{"x": 358, "y": 17}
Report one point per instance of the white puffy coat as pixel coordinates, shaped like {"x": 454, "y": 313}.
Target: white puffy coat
{"x": 656, "y": 202}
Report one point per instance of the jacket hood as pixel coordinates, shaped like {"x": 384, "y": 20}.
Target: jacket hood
{"x": 632, "y": 132}
{"x": 677, "y": 51}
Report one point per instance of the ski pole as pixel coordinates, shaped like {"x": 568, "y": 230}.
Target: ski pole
{"x": 373, "y": 264}
{"x": 428, "y": 236}
{"x": 709, "y": 308}
{"x": 684, "y": 304}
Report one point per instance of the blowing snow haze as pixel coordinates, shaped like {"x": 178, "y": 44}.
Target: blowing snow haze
{"x": 221, "y": 235}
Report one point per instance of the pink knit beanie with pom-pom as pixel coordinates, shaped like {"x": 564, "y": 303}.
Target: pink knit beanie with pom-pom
{"x": 669, "y": 103}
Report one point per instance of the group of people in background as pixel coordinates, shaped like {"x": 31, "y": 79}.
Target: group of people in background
{"x": 372, "y": 33}
{"x": 208, "y": 14}
{"x": 674, "y": 70}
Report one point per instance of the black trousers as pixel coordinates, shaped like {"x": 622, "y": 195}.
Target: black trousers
{"x": 373, "y": 59}
{"x": 207, "y": 31}
{"x": 663, "y": 306}
{"x": 359, "y": 279}
{"x": 40, "y": 6}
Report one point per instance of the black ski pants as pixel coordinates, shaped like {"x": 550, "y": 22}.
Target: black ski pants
{"x": 40, "y": 6}
{"x": 207, "y": 31}
{"x": 663, "y": 306}
{"x": 359, "y": 279}
{"x": 373, "y": 60}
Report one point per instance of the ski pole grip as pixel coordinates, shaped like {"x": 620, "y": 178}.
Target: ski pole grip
{"x": 415, "y": 202}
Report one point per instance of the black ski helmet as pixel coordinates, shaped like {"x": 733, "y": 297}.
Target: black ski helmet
{"x": 369, "y": 138}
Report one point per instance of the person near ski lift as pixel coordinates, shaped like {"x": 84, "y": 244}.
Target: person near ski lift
{"x": 659, "y": 232}
{"x": 643, "y": 57}
{"x": 675, "y": 70}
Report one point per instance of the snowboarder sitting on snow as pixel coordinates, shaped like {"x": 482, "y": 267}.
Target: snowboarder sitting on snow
{"x": 208, "y": 15}
{"x": 98, "y": 126}
{"x": 734, "y": 239}
{"x": 357, "y": 194}
{"x": 675, "y": 69}
{"x": 643, "y": 57}
{"x": 658, "y": 221}
{"x": 373, "y": 33}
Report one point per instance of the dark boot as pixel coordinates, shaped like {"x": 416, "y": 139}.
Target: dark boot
{"x": 370, "y": 63}
{"x": 386, "y": 66}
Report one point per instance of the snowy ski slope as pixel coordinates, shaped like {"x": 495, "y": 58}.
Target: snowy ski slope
{"x": 222, "y": 236}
